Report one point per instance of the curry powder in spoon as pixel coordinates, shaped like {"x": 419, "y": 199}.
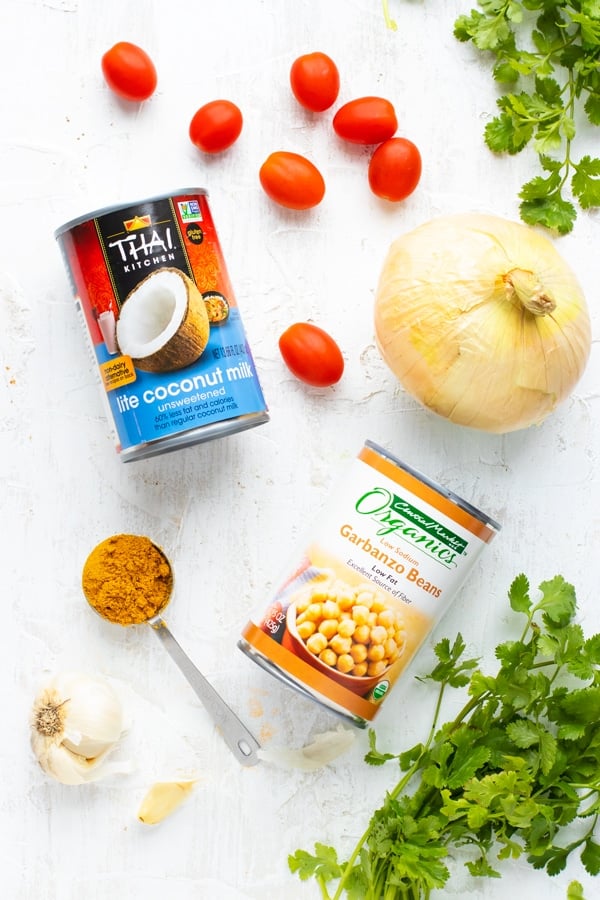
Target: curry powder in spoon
{"x": 127, "y": 579}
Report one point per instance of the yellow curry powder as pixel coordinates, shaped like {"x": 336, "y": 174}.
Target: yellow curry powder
{"x": 127, "y": 579}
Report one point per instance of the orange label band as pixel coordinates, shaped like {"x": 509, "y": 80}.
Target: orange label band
{"x": 306, "y": 675}
{"x": 427, "y": 493}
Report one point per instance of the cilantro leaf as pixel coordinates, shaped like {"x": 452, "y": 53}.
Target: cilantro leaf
{"x": 486, "y": 34}
{"x": 565, "y": 644}
{"x": 518, "y": 594}
{"x": 549, "y": 94}
{"x": 505, "y": 71}
{"x": 523, "y": 733}
{"x": 551, "y": 211}
{"x": 323, "y": 862}
{"x": 580, "y": 706}
{"x": 465, "y": 764}
{"x": 592, "y": 649}
{"x": 481, "y": 868}
{"x": 590, "y": 27}
{"x": 585, "y": 183}
{"x": 502, "y": 135}
{"x": 575, "y": 891}
{"x": 592, "y": 108}
{"x": 557, "y": 862}
{"x": 590, "y": 857}
{"x": 548, "y": 751}
{"x": 451, "y": 668}
{"x": 374, "y": 757}
{"x": 558, "y": 600}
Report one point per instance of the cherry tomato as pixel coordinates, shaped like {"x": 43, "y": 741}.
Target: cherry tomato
{"x": 129, "y": 71}
{"x": 292, "y": 180}
{"x": 368, "y": 120}
{"x": 315, "y": 81}
{"x": 395, "y": 169}
{"x": 216, "y": 126}
{"x": 311, "y": 354}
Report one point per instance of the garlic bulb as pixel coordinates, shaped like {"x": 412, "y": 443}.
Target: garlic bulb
{"x": 77, "y": 719}
{"x": 482, "y": 321}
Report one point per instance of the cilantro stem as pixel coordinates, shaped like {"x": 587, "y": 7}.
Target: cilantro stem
{"x": 393, "y": 794}
{"x": 365, "y": 836}
{"x": 390, "y": 23}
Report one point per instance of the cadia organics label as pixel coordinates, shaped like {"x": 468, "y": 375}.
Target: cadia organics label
{"x": 378, "y": 572}
{"x": 163, "y": 321}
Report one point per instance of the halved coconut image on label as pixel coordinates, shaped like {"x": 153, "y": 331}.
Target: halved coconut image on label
{"x": 163, "y": 324}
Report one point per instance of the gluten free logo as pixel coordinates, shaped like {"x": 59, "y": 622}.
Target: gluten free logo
{"x": 194, "y": 234}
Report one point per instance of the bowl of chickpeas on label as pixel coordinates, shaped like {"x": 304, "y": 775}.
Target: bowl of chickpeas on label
{"x": 348, "y": 632}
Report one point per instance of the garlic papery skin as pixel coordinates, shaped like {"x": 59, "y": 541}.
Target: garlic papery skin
{"x": 482, "y": 321}
{"x": 76, "y": 721}
{"x": 322, "y": 750}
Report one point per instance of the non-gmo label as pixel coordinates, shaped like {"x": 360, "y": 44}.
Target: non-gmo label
{"x": 380, "y": 690}
{"x": 189, "y": 210}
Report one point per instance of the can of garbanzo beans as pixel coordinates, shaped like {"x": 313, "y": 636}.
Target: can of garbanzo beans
{"x": 377, "y": 573}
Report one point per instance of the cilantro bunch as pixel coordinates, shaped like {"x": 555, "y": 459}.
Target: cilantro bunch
{"x": 515, "y": 773}
{"x": 551, "y": 50}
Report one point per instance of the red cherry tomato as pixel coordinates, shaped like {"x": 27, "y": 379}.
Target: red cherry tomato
{"x": 216, "y": 126}
{"x": 292, "y": 180}
{"x": 315, "y": 81}
{"x": 129, "y": 71}
{"x": 368, "y": 120}
{"x": 395, "y": 169}
{"x": 311, "y": 354}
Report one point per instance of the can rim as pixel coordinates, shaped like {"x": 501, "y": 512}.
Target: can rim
{"x": 105, "y": 210}
{"x": 445, "y": 492}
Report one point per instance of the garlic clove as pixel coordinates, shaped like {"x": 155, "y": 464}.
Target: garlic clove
{"x": 94, "y": 716}
{"x": 325, "y": 747}
{"x": 67, "y": 767}
{"x": 162, "y": 799}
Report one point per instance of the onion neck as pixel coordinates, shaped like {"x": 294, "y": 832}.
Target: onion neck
{"x": 523, "y": 288}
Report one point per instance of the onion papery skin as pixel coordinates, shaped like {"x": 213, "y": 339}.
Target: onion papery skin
{"x": 460, "y": 341}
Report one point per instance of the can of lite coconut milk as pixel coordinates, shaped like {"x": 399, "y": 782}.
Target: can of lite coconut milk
{"x": 372, "y": 579}
{"x": 151, "y": 284}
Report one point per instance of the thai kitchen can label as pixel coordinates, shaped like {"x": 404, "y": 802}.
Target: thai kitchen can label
{"x": 374, "y": 577}
{"x": 152, "y": 286}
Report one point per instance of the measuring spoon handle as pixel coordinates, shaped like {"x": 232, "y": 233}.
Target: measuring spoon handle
{"x": 240, "y": 741}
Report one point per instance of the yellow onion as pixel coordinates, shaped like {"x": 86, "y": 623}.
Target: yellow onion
{"x": 482, "y": 321}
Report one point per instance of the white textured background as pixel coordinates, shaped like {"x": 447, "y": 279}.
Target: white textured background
{"x": 228, "y": 513}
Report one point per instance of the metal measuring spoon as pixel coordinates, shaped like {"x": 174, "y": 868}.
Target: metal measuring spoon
{"x": 240, "y": 741}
